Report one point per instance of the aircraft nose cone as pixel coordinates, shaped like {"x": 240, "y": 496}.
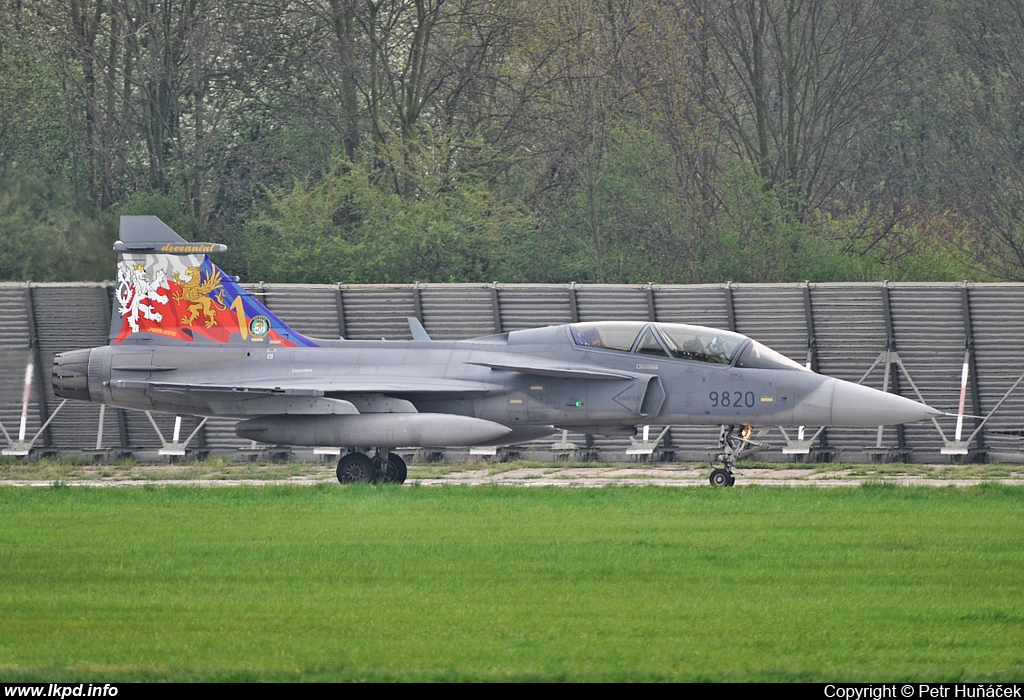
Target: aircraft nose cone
{"x": 857, "y": 406}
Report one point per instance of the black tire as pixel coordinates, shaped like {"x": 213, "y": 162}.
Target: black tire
{"x": 722, "y": 477}
{"x": 395, "y": 470}
{"x": 355, "y": 466}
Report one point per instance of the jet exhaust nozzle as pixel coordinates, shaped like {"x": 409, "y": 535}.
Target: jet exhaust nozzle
{"x": 372, "y": 429}
{"x": 71, "y": 375}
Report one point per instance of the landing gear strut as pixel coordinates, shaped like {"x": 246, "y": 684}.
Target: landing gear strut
{"x": 391, "y": 468}
{"x": 732, "y": 445}
{"x": 385, "y": 467}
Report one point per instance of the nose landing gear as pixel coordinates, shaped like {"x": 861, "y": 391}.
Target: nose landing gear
{"x": 722, "y": 477}
{"x": 732, "y": 445}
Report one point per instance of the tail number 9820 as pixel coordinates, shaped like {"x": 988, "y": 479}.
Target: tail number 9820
{"x": 731, "y": 399}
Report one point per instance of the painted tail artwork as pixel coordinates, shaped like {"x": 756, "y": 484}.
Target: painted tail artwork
{"x": 170, "y": 292}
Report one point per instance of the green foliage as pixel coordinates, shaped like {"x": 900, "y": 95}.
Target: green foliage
{"x": 629, "y": 225}
{"x": 265, "y": 159}
{"x": 344, "y": 225}
{"x": 917, "y": 246}
{"x": 643, "y": 219}
{"x": 647, "y": 232}
{"x": 45, "y": 237}
{"x": 933, "y": 259}
{"x": 33, "y": 105}
{"x": 757, "y": 237}
{"x": 568, "y": 142}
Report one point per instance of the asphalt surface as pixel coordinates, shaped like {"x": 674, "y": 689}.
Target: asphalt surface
{"x": 554, "y": 475}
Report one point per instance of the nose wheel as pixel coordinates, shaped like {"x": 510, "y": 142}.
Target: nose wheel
{"x": 733, "y": 444}
{"x": 722, "y": 477}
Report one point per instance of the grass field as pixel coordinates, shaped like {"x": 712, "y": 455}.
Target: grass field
{"x": 385, "y": 583}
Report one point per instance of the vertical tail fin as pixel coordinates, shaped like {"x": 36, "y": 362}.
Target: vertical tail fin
{"x": 170, "y": 292}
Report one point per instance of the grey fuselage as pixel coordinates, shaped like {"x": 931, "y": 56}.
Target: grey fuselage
{"x": 187, "y": 339}
{"x": 537, "y": 377}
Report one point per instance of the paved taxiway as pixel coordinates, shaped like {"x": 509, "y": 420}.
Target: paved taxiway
{"x": 579, "y": 477}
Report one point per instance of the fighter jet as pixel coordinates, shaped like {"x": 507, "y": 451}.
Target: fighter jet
{"x": 187, "y": 339}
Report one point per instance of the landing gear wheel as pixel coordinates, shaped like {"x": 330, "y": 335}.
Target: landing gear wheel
{"x": 722, "y": 477}
{"x": 735, "y": 443}
{"x": 355, "y": 466}
{"x": 392, "y": 468}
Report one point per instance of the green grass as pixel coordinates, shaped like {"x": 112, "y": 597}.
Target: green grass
{"x": 383, "y": 583}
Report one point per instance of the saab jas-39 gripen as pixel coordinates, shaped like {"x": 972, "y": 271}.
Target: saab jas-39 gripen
{"x": 187, "y": 339}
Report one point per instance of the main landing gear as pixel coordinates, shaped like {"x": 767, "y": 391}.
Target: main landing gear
{"x": 390, "y": 468}
{"x": 732, "y": 445}
{"x": 387, "y": 468}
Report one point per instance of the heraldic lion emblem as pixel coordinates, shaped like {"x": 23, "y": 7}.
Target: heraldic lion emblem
{"x": 134, "y": 289}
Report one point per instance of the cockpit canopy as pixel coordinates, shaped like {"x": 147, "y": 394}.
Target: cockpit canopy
{"x": 680, "y": 341}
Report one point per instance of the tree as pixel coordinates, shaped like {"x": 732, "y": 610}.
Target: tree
{"x": 344, "y": 226}
{"x": 985, "y": 109}
{"x": 800, "y": 81}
